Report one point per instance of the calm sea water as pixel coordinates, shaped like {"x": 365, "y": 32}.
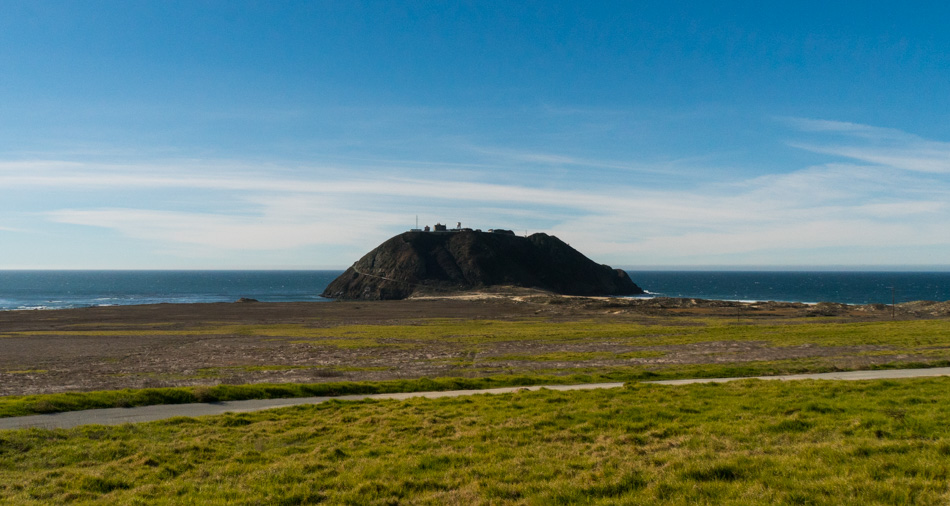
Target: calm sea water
{"x": 795, "y": 286}
{"x": 66, "y": 289}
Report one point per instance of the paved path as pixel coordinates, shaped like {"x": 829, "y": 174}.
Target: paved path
{"x": 118, "y": 416}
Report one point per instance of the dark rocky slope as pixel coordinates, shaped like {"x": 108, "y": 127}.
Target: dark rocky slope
{"x": 416, "y": 263}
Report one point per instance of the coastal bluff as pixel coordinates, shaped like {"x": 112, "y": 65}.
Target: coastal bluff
{"x": 434, "y": 263}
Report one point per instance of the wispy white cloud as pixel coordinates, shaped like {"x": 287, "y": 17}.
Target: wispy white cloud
{"x": 883, "y": 198}
{"x": 554, "y": 159}
{"x": 881, "y": 146}
{"x": 223, "y": 232}
{"x": 822, "y": 125}
{"x": 921, "y": 157}
{"x": 890, "y": 198}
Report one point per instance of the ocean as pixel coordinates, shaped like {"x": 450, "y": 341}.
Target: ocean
{"x": 797, "y": 286}
{"x": 69, "y": 289}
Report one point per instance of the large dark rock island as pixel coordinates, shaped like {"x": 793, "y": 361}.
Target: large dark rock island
{"x": 426, "y": 263}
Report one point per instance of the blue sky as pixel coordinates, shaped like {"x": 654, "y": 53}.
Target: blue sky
{"x": 167, "y": 135}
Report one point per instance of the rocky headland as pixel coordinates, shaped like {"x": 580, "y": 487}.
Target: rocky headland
{"x": 420, "y": 263}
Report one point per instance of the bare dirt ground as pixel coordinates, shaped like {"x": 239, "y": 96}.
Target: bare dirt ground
{"x": 124, "y": 347}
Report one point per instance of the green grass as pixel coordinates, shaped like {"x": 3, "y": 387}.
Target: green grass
{"x": 924, "y": 336}
{"x": 75, "y": 401}
{"x": 567, "y": 356}
{"x": 900, "y": 334}
{"x": 748, "y": 442}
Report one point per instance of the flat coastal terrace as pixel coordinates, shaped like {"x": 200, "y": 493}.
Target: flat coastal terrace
{"x": 477, "y": 335}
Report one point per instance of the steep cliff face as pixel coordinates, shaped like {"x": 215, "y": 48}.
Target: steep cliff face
{"x": 438, "y": 262}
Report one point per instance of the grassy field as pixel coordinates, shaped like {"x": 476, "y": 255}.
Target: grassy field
{"x": 492, "y": 353}
{"x": 659, "y": 331}
{"x": 748, "y": 442}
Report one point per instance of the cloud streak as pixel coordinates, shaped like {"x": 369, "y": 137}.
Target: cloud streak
{"x": 887, "y": 193}
{"x": 880, "y": 146}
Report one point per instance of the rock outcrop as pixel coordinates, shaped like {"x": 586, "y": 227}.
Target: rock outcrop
{"x": 416, "y": 263}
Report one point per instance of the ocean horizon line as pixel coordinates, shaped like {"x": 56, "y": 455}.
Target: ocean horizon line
{"x": 79, "y": 288}
{"x": 635, "y": 268}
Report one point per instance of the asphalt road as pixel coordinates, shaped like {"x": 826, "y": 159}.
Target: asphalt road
{"x": 118, "y": 416}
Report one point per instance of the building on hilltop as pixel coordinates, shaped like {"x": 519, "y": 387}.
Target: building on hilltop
{"x": 439, "y": 227}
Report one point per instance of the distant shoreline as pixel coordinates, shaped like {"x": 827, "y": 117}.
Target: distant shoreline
{"x": 49, "y": 290}
{"x": 644, "y": 302}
